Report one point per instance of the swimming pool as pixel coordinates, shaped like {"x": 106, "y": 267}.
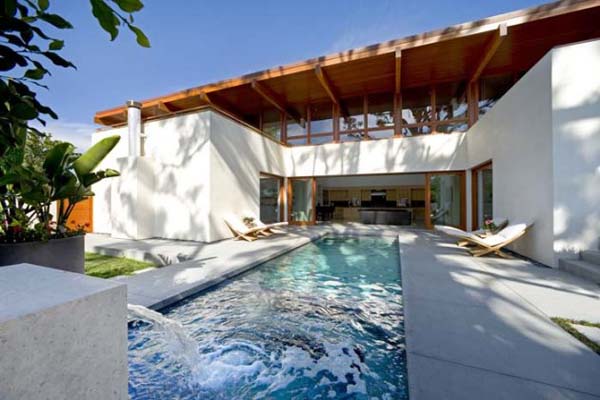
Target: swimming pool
{"x": 323, "y": 321}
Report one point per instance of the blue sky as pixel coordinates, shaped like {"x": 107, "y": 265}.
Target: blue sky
{"x": 196, "y": 42}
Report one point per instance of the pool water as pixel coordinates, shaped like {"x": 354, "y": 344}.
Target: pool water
{"x": 323, "y": 321}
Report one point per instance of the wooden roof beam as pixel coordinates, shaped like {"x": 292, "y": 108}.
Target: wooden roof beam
{"x": 325, "y": 82}
{"x": 489, "y": 51}
{"x": 327, "y": 85}
{"x": 398, "y": 73}
{"x": 276, "y": 101}
{"x": 167, "y": 108}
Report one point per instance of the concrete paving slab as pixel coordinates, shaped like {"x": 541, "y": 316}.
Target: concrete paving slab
{"x": 554, "y": 292}
{"x": 436, "y": 379}
{"x": 507, "y": 337}
{"x": 462, "y": 312}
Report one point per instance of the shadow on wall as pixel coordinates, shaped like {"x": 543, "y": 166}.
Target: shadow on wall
{"x": 178, "y": 191}
{"x": 576, "y": 124}
{"x": 237, "y": 158}
{"x": 396, "y": 155}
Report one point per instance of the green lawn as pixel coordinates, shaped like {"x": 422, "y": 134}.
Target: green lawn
{"x": 103, "y": 266}
{"x": 567, "y": 325}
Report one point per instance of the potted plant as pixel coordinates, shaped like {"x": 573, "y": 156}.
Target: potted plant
{"x": 32, "y": 179}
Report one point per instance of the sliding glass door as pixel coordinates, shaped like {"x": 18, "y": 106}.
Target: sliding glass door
{"x": 445, "y": 199}
{"x": 302, "y": 192}
{"x": 271, "y": 199}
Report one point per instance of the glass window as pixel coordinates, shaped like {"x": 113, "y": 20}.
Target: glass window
{"x": 451, "y": 101}
{"x": 296, "y": 128}
{"x": 416, "y": 130}
{"x": 416, "y": 105}
{"x": 321, "y": 118}
{"x": 355, "y": 120}
{"x": 321, "y": 139}
{"x": 445, "y": 199}
{"x": 381, "y": 134}
{"x": 271, "y": 123}
{"x": 297, "y": 141}
{"x": 452, "y": 127}
{"x": 491, "y": 89}
{"x": 269, "y": 199}
{"x": 380, "y": 110}
{"x": 485, "y": 195}
{"x": 302, "y": 200}
{"x": 351, "y": 137}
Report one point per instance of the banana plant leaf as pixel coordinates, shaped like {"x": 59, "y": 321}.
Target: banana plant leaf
{"x": 93, "y": 177}
{"x": 57, "y": 158}
{"x": 87, "y": 162}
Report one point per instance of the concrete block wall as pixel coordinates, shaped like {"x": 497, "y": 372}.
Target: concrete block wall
{"x": 62, "y": 335}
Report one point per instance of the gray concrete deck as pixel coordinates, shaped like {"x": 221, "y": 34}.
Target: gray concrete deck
{"x": 480, "y": 328}
{"x": 207, "y": 264}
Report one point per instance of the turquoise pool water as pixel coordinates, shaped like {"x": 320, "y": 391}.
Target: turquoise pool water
{"x": 324, "y": 321}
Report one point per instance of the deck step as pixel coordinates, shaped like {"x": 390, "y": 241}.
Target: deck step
{"x": 591, "y": 256}
{"x": 581, "y": 268}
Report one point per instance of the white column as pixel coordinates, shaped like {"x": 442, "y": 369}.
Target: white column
{"x": 134, "y": 125}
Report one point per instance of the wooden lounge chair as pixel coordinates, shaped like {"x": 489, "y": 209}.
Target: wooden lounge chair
{"x": 500, "y": 224}
{"x": 269, "y": 228}
{"x": 490, "y": 244}
{"x": 241, "y": 231}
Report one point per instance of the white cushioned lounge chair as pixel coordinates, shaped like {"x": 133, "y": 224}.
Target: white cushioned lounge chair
{"x": 270, "y": 228}
{"x": 242, "y": 232}
{"x": 489, "y": 244}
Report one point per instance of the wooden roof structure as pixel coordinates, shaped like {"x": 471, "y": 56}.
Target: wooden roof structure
{"x": 508, "y": 42}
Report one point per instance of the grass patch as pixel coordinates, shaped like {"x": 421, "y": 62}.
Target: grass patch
{"x": 102, "y": 266}
{"x": 566, "y": 324}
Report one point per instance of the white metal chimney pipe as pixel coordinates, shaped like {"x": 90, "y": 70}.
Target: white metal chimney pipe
{"x": 134, "y": 125}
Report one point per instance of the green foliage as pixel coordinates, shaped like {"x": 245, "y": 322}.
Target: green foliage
{"x": 567, "y": 325}
{"x": 27, "y": 52}
{"x": 40, "y": 173}
{"x": 34, "y": 170}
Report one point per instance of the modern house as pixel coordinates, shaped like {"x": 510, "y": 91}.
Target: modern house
{"x": 497, "y": 117}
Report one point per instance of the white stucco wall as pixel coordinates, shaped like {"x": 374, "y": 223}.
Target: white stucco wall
{"x": 543, "y": 137}
{"x": 180, "y": 149}
{"x": 102, "y": 189}
{"x": 576, "y": 150}
{"x": 238, "y": 156}
{"x": 180, "y": 153}
{"x": 517, "y": 135}
{"x": 412, "y": 154}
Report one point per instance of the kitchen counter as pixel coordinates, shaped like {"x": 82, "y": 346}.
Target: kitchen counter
{"x": 385, "y": 215}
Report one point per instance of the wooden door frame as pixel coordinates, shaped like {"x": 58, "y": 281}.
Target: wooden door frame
{"x": 280, "y": 194}
{"x": 313, "y": 198}
{"x": 463, "y": 197}
{"x": 475, "y": 192}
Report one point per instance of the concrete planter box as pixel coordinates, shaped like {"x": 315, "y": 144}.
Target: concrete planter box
{"x": 67, "y": 254}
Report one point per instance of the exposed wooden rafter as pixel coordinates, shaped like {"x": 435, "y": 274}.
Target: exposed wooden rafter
{"x": 329, "y": 87}
{"x": 533, "y": 32}
{"x": 276, "y": 101}
{"x": 398, "y": 73}
{"x": 489, "y": 51}
{"x": 167, "y": 107}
